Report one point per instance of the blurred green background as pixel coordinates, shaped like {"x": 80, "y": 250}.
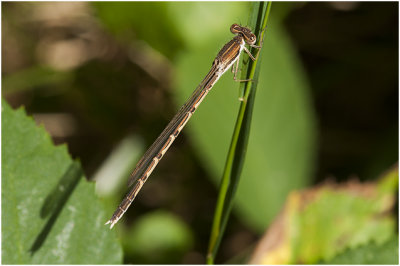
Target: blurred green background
{"x": 105, "y": 78}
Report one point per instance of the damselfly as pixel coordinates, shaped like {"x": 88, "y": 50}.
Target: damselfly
{"x": 226, "y": 58}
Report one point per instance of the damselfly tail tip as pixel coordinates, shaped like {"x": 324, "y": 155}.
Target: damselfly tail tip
{"x": 110, "y": 222}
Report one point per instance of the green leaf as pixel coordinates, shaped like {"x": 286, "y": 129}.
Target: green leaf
{"x": 214, "y": 24}
{"x": 37, "y": 76}
{"x": 281, "y": 144}
{"x": 50, "y": 214}
{"x": 373, "y": 253}
{"x": 126, "y": 21}
{"x": 158, "y": 237}
{"x": 336, "y": 220}
{"x": 319, "y": 223}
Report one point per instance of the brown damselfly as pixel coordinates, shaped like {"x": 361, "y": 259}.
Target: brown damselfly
{"x": 226, "y": 58}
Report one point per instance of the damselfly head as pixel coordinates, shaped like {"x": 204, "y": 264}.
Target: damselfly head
{"x": 248, "y": 36}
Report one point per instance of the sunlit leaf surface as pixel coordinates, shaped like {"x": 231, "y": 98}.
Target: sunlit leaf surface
{"x": 319, "y": 223}
{"x": 50, "y": 214}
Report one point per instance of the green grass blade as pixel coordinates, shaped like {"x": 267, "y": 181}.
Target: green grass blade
{"x": 237, "y": 151}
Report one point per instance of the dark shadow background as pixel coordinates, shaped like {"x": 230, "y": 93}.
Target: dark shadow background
{"x": 357, "y": 124}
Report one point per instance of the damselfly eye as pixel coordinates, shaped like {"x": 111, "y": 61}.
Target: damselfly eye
{"x": 235, "y": 28}
{"x": 251, "y": 39}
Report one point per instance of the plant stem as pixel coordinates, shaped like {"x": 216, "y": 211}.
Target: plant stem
{"x": 237, "y": 151}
